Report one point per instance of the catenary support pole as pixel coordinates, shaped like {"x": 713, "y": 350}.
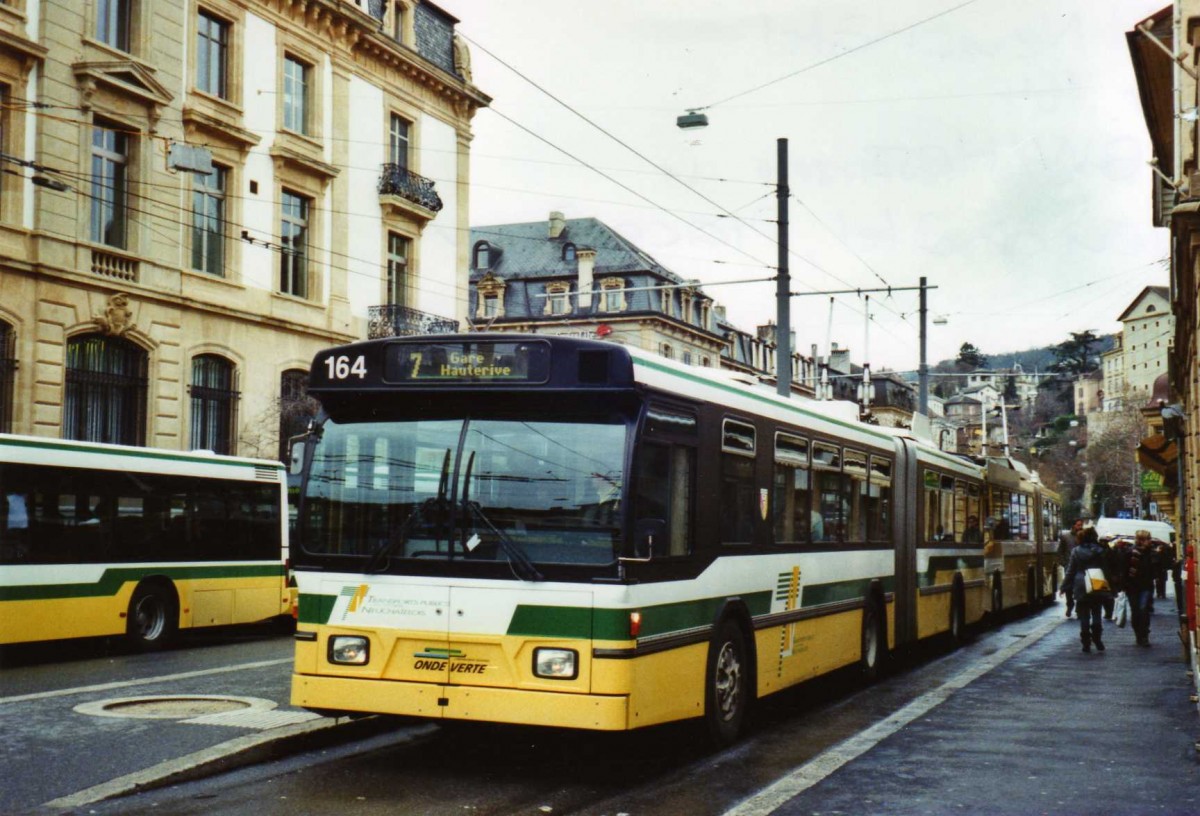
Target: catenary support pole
{"x": 783, "y": 285}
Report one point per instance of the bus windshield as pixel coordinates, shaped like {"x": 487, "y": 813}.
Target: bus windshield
{"x": 465, "y": 488}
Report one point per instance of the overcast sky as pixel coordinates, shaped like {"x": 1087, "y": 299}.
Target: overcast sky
{"x": 997, "y": 149}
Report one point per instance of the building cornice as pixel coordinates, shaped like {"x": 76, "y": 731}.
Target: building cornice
{"x": 356, "y": 36}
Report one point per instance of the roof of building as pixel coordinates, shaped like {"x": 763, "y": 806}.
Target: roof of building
{"x": 528, "y": 251}
{"x": 1163, "y": 292}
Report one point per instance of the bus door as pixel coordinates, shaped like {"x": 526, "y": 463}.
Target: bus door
{"x": 906, "y": 523}
{"x": 495, "y": 631}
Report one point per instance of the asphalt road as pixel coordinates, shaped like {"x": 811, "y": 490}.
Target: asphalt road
{"x": 52, "y": 749}
{"x": 992, "y": 728}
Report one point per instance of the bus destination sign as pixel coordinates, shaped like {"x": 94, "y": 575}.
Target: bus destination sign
{"x": 485, "y": 361}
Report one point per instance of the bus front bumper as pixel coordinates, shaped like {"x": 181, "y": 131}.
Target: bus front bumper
{"x": 482, "y": 704}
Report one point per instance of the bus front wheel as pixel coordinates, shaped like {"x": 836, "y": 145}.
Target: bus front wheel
{"x": 152, "y": 620}
{"x": 726, "y": 685}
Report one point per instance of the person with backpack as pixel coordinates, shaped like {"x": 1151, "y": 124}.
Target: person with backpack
{"x": 1089, "y": 599}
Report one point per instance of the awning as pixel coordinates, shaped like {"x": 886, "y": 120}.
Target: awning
{"x": 1159, "y": 454}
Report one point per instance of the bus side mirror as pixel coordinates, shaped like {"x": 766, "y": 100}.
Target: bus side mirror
{"x": 646, "y": 532}
{"x": 296, "y": 455}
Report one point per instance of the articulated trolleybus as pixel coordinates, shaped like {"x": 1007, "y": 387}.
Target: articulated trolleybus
{"x": 108, "y": 539}
{"x": 564, "y": 532}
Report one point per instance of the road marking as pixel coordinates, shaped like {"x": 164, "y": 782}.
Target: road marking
{"x": 830, "y": 760}
{"x": 165, "y": 678}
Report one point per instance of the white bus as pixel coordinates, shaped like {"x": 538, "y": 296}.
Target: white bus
{"x": 555, "y": 531}
{"x": 106, "y": 539}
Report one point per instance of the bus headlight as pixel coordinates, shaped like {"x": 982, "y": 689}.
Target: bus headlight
{"x": 556, "y": 664}
{"x": 349, "y": 650}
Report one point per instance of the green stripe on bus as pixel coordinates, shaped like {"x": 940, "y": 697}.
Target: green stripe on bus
{"x": 820, "y": 594}
{"x": 315, "y": 609}
{"x": 114, "y": 578}
{"x": 533, "y": 620}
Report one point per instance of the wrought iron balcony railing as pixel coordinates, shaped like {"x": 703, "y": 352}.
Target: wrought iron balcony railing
{"x": 404, "y": 321}
{"x": 400, "y": 181}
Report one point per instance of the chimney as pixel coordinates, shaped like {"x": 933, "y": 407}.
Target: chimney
{"x": 586, "y": 257}
{"x": 839, "y": 359}
{"x": 558, "y": 223}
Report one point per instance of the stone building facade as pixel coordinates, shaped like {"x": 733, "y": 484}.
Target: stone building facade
{"x": 202, "y": 194}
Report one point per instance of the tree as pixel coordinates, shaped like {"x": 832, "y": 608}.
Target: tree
{"x": 1074, "y": 357}
{"x": 1010, "y": 389}
{"x": 970, "y": 357}
{"x": 1112, "y": 460}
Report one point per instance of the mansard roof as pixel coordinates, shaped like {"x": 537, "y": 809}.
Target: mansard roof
{"x": 528, "y": 251}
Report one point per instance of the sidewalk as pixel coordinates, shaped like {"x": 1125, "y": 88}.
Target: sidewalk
{"x": 1047, "y": 730}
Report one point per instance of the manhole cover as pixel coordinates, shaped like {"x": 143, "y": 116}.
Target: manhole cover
{"x": 173, "y": 707}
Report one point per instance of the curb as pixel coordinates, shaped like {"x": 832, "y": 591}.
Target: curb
{"x": 250, "y": 749}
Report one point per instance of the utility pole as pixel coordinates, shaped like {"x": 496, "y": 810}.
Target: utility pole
{"x": 923, "y": 366}
{"x": 783, "y": 281}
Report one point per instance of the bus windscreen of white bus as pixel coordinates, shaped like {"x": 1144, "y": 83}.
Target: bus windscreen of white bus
{"x": 482, "y": 489}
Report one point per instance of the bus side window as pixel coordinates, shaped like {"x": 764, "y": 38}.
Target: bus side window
{"x": 665, "y": 479}
{"x": 739, "y": 496}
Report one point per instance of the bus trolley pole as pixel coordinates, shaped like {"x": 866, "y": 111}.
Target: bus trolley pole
{"x": 923, "y": 368}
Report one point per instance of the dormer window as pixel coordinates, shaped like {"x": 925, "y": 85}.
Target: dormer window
{"x": 612, "y": 295}
{"x": 558, "y": 300}
{"x": 490, "y": 297}
{"x": 568, "y": 252}
{"x": 482, "y": 256}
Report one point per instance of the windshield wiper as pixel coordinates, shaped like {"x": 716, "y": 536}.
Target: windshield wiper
{"x": 520, "y": 562}
{"x": 434, "y": 507}
{"x": 397, "y": 538}
{"x": 522, "y": 566}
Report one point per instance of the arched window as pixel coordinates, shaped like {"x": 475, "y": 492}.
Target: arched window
{"x": 214, "y": 404}
{"x": 105, "y": 397}
{"x": 8, "y": 375}
{"x": 296, "y": 407}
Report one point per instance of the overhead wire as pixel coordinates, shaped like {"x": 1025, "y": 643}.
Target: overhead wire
{"x": 840, "y": 55}
{"x": 658, "y": 167}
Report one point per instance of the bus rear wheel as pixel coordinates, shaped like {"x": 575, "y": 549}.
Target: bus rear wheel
{"x": 958, "y": 614}
{"x": 152, "y": 621}
{"x": 726, "y": 685}
{"x": 874, "y": 642}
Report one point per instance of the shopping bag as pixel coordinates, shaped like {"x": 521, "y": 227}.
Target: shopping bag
{"x": 1121, "y": 610}
{"x": 1094, "y": 580}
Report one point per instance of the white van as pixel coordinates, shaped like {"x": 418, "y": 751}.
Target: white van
{"x": 1106, "y": 527}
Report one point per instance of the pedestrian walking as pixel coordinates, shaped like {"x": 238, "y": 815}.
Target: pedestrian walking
{"x": 1139, "y": 575}
{"x": 1166, "y": 565}
{"x": 1068, "y": 540}
{"x": 1087, "y": 555}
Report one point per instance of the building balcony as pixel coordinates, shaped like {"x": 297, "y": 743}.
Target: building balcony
{"x": 404, "y": 321}
{"x": 407, "y": 192}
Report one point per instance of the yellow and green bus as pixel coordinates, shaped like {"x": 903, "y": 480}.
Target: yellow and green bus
{"x": 107, "y": 540}
{"x": 563, "y": 532}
